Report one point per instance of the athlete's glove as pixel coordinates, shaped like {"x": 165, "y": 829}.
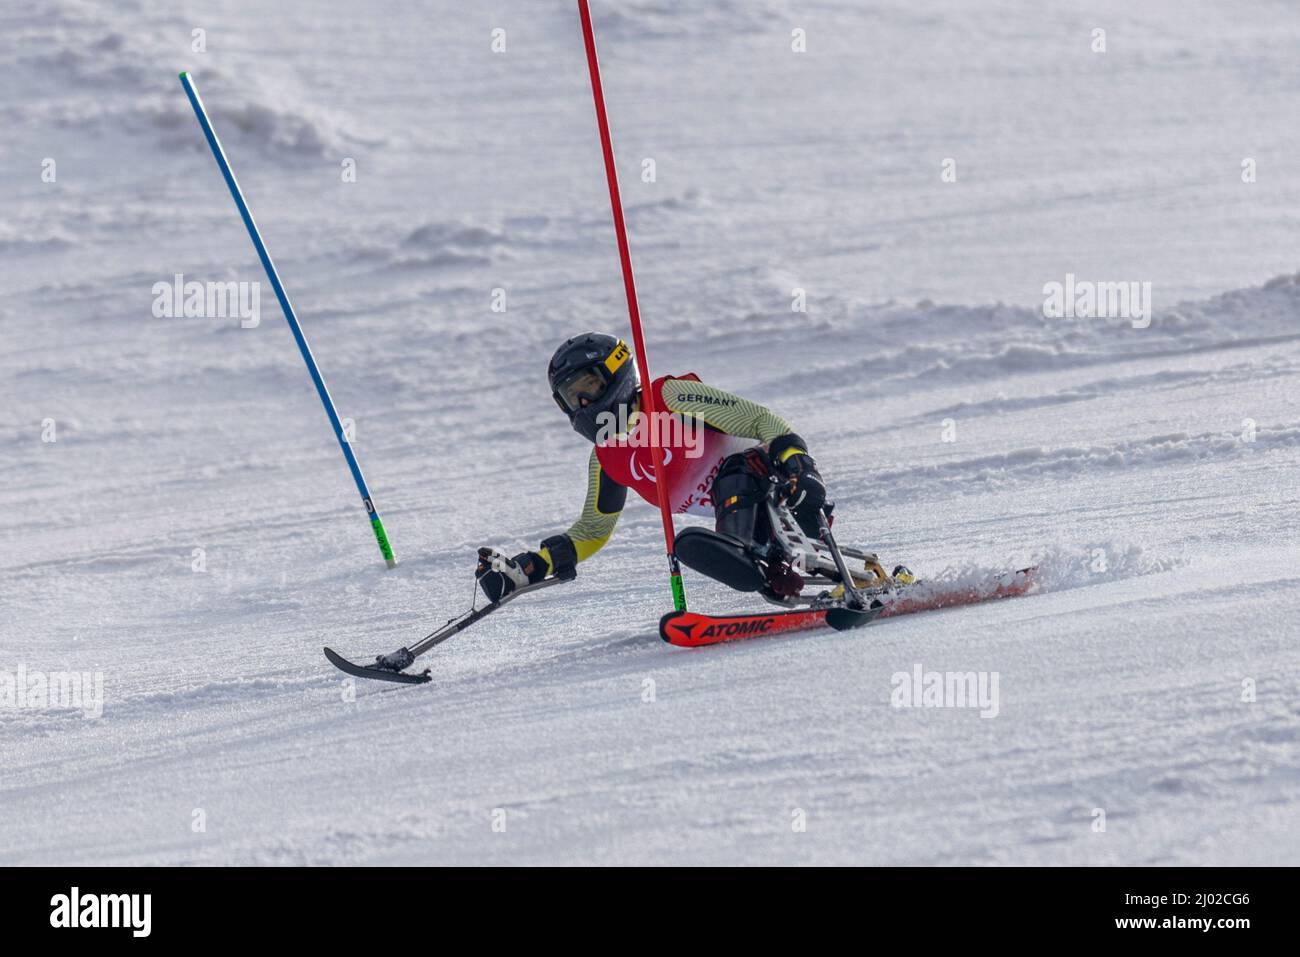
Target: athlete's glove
{"x": 498, "y": 576}
{"x": 802, "y": 488}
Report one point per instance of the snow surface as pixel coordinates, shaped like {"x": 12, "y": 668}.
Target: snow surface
{"x": 1153, "y": 472}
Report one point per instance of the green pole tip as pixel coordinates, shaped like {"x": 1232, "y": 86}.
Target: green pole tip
{"x": 184, "y": 74}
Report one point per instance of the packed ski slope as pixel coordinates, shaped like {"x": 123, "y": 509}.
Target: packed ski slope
{"x": 192, "y": 534}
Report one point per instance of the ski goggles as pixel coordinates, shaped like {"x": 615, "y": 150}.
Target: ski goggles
{"x": 587, "y": 383}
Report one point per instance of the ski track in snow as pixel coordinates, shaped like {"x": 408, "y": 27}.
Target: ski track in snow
{"x": 192, "y": 534}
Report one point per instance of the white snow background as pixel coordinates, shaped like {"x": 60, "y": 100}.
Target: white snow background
{"x": 1153, "y": 471}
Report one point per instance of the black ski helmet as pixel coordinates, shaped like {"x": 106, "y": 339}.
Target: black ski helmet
{"x": 591, "y": 376}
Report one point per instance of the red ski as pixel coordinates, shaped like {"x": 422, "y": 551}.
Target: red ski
{"x": 688, "y": 629}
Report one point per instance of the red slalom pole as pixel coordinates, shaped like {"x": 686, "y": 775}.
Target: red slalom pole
{"x": 634, "y": 313}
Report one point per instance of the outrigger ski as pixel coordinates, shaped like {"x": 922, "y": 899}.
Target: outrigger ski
{"x": 377, "y": 670}
{"x": 392, "y": 666}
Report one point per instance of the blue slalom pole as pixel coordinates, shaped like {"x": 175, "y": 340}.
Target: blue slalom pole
{"x": 220, "y": 154}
